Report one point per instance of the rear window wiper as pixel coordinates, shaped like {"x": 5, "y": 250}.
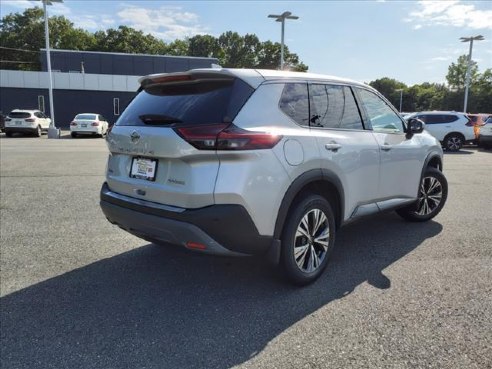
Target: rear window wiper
{"x": 158, "y": 119}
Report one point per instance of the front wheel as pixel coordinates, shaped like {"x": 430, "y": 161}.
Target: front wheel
{"x": 432, "y": 196}
{"x": 307, "y": 240}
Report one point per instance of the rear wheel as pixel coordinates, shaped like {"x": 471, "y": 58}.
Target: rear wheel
{"x": 453, "y": 142}
{"x": 38, "y": 132}
{"x": 307, "y": 240}
{"x": 73, "y": 134}
{"x": 8, "y": 134}
{"x": 432, "y": 196}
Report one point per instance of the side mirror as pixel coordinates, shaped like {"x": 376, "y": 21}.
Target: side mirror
{"x": 414, "y": 126}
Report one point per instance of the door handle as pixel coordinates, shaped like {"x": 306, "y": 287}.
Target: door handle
{"x": 332, "y": 147}
{"x": 386, "y": 147}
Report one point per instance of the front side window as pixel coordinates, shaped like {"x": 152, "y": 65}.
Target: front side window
{"x": 295, "y": 102}
{"x": 333, "y": 107}
{"x": 381, "y": 116}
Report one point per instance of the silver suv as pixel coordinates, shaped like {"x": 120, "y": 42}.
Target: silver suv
{"x": 244, "y": 162}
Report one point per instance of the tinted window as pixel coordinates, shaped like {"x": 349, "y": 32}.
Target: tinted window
{"x": 86, "y": 117}
{"x": 39, "y": 115}
{"x": 198, "y": 102}
{"x": 295, "y": 103}
{"x": 19, "y": 115}
{"x": 333, "y": 107}
{"x": 381, "y": 116}
{"x": 448, "y": 118}
{"x": 437, "y": 118}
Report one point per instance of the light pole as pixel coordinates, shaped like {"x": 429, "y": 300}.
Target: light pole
{"x": 468, "y": 67}
{"x": 281, "y": 18}
{"x": 401, "y": 97}
{"x": 53, "y": 132}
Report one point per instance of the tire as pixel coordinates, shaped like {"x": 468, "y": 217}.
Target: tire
{"x": 38, "y": 132}
{"x": 308, "y": 232}
{"x": 73, "y": 134}
{"x": 453, "y": 142}
{"x": 9, "y": 134}
{"x": 432, "y": 196}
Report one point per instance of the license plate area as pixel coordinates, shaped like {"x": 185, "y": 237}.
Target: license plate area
{"x": 143, "y": 168}
{"x": 84, "y": 125}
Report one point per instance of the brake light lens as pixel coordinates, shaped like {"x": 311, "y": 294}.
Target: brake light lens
{"x": 73, "y": 124}
{"x": 8, "y": 119}
{"x": 95, "y": 124}
{"x": 227, "y": 137}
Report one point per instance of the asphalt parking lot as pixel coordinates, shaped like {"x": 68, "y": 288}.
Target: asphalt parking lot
{"x": 77, "y": 292}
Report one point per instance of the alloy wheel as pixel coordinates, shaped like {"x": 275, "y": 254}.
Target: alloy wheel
{"x": 454, "y": 143}
{"x": 311, "y": 240}
{"x": 430, "y": 196}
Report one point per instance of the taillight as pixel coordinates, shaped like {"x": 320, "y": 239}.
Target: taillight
{"x": 95, "y": 124}
{"x": 227, "y": 137}
{"x": 30, "y": 120}
{"x": 73, "y": 124}
{"x": 8, "y": 119}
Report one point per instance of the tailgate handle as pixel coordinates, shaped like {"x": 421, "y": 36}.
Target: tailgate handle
{"x": 333, "y": 146}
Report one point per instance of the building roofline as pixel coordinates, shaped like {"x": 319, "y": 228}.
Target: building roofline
{"x": 127, "y": 54}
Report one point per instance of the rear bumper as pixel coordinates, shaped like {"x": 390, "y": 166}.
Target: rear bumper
{"x": 222, "y": 229}
{"x": 21, "y": 130}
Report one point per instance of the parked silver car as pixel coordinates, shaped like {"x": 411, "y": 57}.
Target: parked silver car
{"x": 242, "y": 162}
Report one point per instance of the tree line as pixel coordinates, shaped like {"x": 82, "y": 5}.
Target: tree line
{"x": 22, "y": 37}
{"x": 440, "y": 96}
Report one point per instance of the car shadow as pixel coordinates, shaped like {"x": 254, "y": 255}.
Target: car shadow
{"x": 163, "y": 307}
{"x": 460, "y": 152}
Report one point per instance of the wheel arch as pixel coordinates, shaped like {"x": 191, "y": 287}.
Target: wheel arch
{"x": 433, "y": 160}
{"x": 318, "y": 181}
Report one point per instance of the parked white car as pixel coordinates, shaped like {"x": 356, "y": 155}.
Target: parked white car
{"x": 485, "y": 135}
{"x": 449, "y": 127}
{"x": 89, "y": 124}
{"x": 26, "y": 121}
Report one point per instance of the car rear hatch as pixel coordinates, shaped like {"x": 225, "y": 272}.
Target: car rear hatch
{"x": 85, "y": 122}
{"x": 162, "y": 148}
{"x": 20, "y": 119}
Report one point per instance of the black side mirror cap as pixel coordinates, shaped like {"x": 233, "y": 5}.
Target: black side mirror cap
{"x": 414, "y": 126}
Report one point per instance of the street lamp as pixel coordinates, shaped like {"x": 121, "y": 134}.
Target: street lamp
{"x": 401, "y": 97}
{"x": 53, "y": 132}
{"x": 468, "y": 68}
{"x": 281, "y": 18}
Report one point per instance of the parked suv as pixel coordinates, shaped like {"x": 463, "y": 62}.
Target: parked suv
{"x": 26, "y": 121}
{"x": 451, "y": 128}
{"x": 243, "y": 162}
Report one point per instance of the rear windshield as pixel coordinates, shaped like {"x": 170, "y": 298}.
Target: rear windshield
{"x": 85, "y": 117}
{"x": 15, "y": 114}
{"x": 198, "y": 102}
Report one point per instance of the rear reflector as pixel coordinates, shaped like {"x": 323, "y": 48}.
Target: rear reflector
{"x": 195, "y": 245}
{"x": 227, "y": 137}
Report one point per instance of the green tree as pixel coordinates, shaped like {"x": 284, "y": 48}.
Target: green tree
{"x": 22, "y": 37}
{"x": 457, "y": 73}
{"x": 128, "y": 40}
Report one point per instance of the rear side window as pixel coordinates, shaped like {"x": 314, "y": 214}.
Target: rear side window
{"x": 295, "y": 102}
{"x": 437, "y": 118}
{"x": 22, "y": 115}
{"x": 333, "y": 107}
{"x": 196, "y": 102}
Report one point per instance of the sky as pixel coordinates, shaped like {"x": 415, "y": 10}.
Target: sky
{"x": 410, "y": 41}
